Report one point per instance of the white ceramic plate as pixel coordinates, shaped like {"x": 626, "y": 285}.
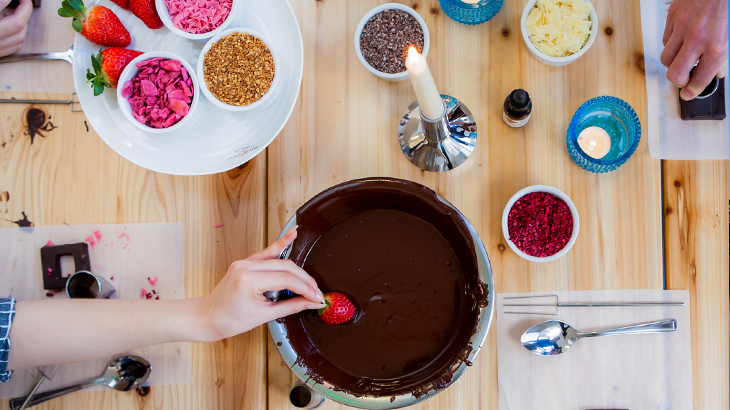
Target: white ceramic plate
{"x": 214, "y": 140}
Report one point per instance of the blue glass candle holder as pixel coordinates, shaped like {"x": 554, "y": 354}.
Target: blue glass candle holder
{"x": 620, "y": 122}
{"x": 471, "y": 12}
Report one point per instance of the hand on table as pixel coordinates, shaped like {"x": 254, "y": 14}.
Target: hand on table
{"x": 14, "y": 26}
{"x": 238, "y": 304}
{"x": 695, "y": 30}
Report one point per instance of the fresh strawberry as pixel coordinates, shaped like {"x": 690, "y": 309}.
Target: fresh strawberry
{"x": 122, "y": 3}
{"x": 339, "y": 309}
{"x": 108, "y": 66}
{"x": 97, "y": 23}
{"x": 146, "y": 11}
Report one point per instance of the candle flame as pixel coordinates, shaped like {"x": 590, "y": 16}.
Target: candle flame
{"x": 412, "y": 58}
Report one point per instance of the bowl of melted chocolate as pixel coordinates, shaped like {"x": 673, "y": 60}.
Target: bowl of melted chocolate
{"x": 421, "y": 282}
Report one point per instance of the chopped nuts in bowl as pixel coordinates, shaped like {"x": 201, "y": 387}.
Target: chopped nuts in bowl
{"x": 238, "y": 70}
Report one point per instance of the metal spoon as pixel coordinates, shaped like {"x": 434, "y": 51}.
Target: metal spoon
{"x": 554, "y": 337}
{"x": 67, "y": 55}
{"x": 124, "y": 373}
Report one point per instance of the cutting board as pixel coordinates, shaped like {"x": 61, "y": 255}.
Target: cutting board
{"x": 125, "y": 255}
{"x": 636, "y": 372}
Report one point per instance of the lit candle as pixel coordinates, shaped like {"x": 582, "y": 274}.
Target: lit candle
{"x": 429, "y": 99}
{"x": 470, "y": 1}
{"x": 595, "y": 142}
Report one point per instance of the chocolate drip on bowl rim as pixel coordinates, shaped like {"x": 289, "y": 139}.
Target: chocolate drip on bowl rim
{"x": 420, "y": 278}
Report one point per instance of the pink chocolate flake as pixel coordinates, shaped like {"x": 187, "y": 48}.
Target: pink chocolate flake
{"x": 540, "y": 224}
{"x": 218, "y": 225}
{"x": 98, "y": 235}
{"x": 124, "y": 235}
{"x": 198, "y": 16}
{"x": 160, "y": 94}
{"x": 91, "y": 241}
{"x": 142, "y": 292}
{"x": 50, "y": 243}
{"x": 152, "y": 281}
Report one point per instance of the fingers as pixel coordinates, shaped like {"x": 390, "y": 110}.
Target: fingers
{"x": 275, "y": 249}
{"x": 289, "y": 307}
{"x": 668, "y": 28}
{"x": 10, "y": 50}
{"x": 14, "y": 40}
{"x": 678, "y": 71}
{"x": 268, "y": 281}
{"x": 17, "y": 21}
{"x": 285, "y": 265}
{"x": 702, "y": 76}
{"x": 671, "y": 48}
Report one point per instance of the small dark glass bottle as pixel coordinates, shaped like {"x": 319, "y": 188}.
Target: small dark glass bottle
{"x": 517, "y": 108}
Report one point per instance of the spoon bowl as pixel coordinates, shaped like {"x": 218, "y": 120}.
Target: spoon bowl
{"x": 554, "y": 337}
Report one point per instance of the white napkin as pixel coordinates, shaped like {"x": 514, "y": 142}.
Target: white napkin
{"x": 636, "y": 372}
{"x": 669, "y": 136}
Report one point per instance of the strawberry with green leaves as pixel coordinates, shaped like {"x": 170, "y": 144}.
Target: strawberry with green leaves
{"x": 108, "y": 66}
{"x": 339, "y": 309}
{"x": 97, "y": 23}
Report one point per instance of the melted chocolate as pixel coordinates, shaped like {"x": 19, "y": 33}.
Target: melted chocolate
{"x": 407, "y": 262}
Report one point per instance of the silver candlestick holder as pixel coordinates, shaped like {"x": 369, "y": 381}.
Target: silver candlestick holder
{"x": 438, "y": 145}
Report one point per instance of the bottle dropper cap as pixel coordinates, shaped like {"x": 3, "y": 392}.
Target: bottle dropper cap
{"x": 519, "y": 99}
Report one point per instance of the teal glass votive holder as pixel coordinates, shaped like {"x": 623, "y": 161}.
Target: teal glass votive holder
{"x": 614, "y": 116}
{"x": 471, "y": 11}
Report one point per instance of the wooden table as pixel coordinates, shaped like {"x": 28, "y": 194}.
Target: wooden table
{"x": 650, "y": 224}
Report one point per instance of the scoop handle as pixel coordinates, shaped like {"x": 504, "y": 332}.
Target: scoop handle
{"x": 42, "y": 397}
{"x": 662, "y": 326}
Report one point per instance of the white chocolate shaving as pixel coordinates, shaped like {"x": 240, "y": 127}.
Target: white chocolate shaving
{"x": 559, "y": 28}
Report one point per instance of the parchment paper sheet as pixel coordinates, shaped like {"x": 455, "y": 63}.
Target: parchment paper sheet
{"x": 129, "y": 253}
{"x": 669, "y": 136}
{"x": 636, "y": 372}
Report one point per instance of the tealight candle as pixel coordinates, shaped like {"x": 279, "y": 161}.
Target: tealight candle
{"x": 429, "y": 99}
{"x": 595, "y": 142}
{"x": 470, "y": 1}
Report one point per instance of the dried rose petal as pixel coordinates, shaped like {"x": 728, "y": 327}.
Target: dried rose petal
{"x": 540, "y": 224}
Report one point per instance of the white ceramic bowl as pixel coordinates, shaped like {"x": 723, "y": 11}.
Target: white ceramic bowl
{"x": 390, "y": 6}
{"x": 131, "y": 70}
{"x": 540, "y": 188}
{"x": 557, "y": 61}
{"x": 164, "y": 14}
{"x": 267, "y": 98}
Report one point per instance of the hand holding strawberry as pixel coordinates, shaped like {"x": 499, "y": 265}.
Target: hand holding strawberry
{"x": 339, "y": 309}
{"x": 97, "y": 23}
{"x": 108, "y": 66}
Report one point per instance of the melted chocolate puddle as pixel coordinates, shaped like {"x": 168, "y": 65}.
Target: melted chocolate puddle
{"x": 407, "y": 262}
{"x": 23, "y": 223}
{"x": 36, "y": 122}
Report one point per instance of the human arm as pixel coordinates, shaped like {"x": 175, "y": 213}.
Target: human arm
{"x": 695, "y": 30}
{"x": 14, "y": 26}
{"x": 60, "y": 331}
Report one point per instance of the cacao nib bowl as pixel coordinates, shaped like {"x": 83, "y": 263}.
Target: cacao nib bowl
{"x": 538, "y": 189}
{"x": 131, "y": 70}
{"x": 419, "y": 277}
{"x": 403, "y": 75}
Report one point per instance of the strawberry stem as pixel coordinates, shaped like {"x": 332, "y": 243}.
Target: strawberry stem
{"x": 97, "y": 79}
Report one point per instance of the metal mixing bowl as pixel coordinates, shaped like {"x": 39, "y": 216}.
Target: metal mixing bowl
{"x": 278, "y": 331}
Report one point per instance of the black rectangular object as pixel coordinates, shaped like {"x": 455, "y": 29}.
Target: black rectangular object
{"x": 51, "y": 263}
{"x": 710, "y": 108}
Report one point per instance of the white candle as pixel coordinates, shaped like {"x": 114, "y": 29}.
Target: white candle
{"x": 429, "y": 99}
{"x": 595, "y": 142}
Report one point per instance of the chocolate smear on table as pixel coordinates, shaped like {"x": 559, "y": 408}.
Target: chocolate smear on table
{"x": 386, "y": 37}
{"x": 23, "y": 223}
{"x": 408, "y": 263}
{"x": 35, "y": 122}
{"x": 143, "y": 390}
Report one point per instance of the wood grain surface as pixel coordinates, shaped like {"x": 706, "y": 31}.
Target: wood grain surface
{"x": 71, "y": 176}
{"x": 343, "y": 127}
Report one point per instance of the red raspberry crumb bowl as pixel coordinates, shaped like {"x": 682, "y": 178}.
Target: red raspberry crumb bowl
{"x": 540, "y": 223}
{"x": 157, "y": 92}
